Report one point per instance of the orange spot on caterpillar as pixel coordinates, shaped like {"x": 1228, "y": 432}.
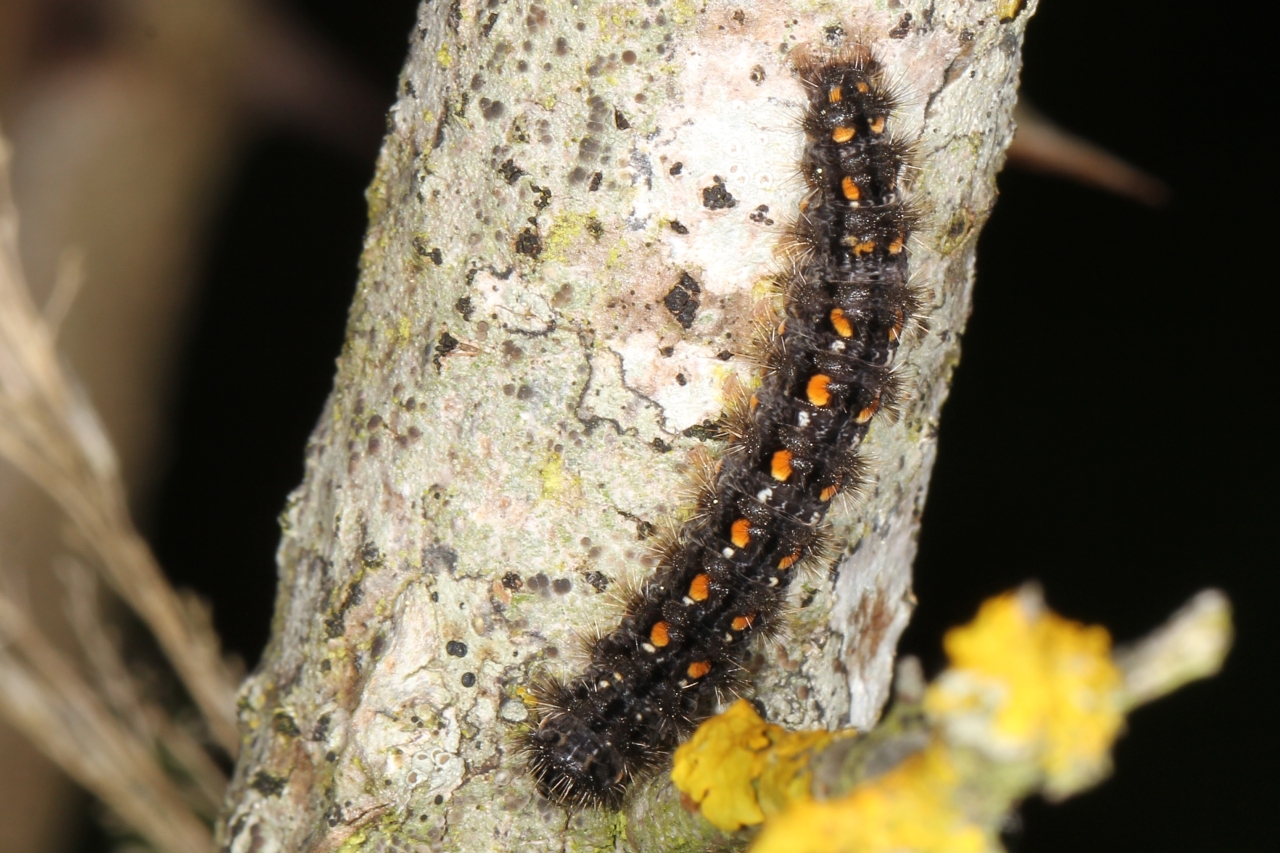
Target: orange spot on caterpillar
{"x": 829, "y": 492}
{"x": 818, "y": 390}
{"x": 867, "y": 413}
{"x": 780, "y": 466}
{"x": 864, "y": 248}
{"x": 789, "y": 560}
{"x": 897, "y": 245}
{"x": 754, "y": 402}
{"x": 740, "y": 533}
{"x": 836, "y": 95}
{"x": 842, "y": 135}
{"x": 660, "y": 634}
{"x": 862, "y": 87}
{"x": 700, "y": 588}
{"x": 782, "y": 328}
{"x": 742, "y": 623}
{"x": 699, "y": 668}
{"x": 849, "y": 188}
{"x": 896, "y": 331}
{"x": 877, "y": 125}
{"x": 841, "y": 323}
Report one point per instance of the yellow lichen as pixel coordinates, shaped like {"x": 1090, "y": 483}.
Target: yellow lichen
{"x": 910, "y": 808}
{"x": 1024, "y": 680}
{"x": 740, "y": 769}
{"x": 1031, "y": 702}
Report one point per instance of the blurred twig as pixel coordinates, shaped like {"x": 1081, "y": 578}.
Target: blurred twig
{"x": 51, "y": 434}
{"x": 150, "y": 770}
{"x": 41, "y": 692}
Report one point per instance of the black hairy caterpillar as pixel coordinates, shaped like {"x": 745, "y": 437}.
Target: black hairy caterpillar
{"x": 724, "y": 581}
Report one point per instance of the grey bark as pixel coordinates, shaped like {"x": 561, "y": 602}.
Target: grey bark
{"x": 516, "y": 408}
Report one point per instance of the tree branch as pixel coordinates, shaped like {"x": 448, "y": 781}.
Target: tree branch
{"x": 518, "y": 403}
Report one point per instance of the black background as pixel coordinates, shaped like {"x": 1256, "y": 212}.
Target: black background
{"x": 1107, "y": 433}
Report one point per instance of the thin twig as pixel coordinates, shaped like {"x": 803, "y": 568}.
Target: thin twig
{"x": 50, "y": 433}
{"x": 42, "y": 693}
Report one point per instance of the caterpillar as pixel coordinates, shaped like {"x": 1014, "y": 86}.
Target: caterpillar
{"x": 724, "y": 579}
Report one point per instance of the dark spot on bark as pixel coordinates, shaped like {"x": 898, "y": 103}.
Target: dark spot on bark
{"x": 321, "y": 730}
{"x": 267, "y": 784}
{"x": 704, "y": 431}
{"x": 681, "y": 380}
{"x": 465, "y": 308}
{"x": 284, "y": 724}
{"x": 679, "y": 227}
{"x": 543, "y": 201}
{"x": 902, "y": 28}
{"x": 682, "y": 300}
{"x": 487, "y": 27}
{"x": 596, "y": 179}
{"x": 661, "y": 446}
{"x": 561, "y": 585}
{"x": 456, "y": 648}
{"x": 529, "y": 243}
{"x": 677, "y": 169}
{"x": 445, "y": 345}
{"x": 716, "y": 197}
{"x": 757, "y": 74}
{"x": 597, "y": 580}
{"x": 512, "y": 581}
{"x": 620, "y": 121}
{"x": 468, "y": 679}
{"x": 492, "y": 110}
{"x": 510, "y": 171}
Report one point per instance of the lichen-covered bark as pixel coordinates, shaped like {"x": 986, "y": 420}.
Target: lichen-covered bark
{"x": 527, "y": 380}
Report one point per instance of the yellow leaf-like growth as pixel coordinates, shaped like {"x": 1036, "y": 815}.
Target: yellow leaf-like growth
{"x": 1029, "y": 684}
{"x": 740, "y": 769}
{"x": 910, "y": 808}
